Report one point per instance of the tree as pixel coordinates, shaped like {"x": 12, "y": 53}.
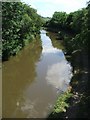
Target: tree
{"x": 20, "y": 23}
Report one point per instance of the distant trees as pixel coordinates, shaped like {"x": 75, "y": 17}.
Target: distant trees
{"x": 77, "y": 22}
{"x": 20, "y": 23}
{"x": 57, "y": 20}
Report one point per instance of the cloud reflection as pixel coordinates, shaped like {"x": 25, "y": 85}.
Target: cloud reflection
{"x": 58, "y": 70}
{"x": 59, "y": 75}
{"x": 29, "y": 107}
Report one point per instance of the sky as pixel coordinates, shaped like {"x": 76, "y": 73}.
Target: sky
{"x": 46, "y": 8}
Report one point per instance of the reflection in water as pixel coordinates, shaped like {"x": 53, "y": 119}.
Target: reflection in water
{"x": 59, "y": 76}
{"x": 53, "y": 77}
{"x": 17, "y": 73}
{"x": 58, "y": 70}
{"x": 53, "y": 74}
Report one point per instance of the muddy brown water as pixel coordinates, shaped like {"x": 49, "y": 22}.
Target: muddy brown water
{"x": 33, "y": 79}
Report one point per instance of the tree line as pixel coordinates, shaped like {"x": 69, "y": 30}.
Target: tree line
{"x": 77, "y": 23}
{"x": 20, "y": 25}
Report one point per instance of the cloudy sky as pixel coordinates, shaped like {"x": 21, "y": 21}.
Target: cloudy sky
{"x": 46, "y": 8}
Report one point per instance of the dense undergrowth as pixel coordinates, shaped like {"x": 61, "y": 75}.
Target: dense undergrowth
{"x": 20, "y": 25}
{"x": 77, "y": 24}
{"x": 74, "y": 30}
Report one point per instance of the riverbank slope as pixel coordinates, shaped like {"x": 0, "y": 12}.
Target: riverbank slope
{"x": 77, "y": 103}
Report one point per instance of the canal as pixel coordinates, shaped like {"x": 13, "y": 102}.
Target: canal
{"x": 33, "y": 79}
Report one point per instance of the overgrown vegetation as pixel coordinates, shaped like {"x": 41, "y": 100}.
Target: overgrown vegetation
{"x": 74, "y": 30}
{"x": 76, "y": 23}
{"x": 20, "y": 24}
{"x": 62, "y": 104}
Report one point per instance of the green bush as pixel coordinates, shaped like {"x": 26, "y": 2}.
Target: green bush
{"x": 20, "y": 23}
{"x": 62, "y": 104}
{"x": 77, "y": 23}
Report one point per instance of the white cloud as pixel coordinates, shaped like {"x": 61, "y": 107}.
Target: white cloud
{"x": 48, "y": 7}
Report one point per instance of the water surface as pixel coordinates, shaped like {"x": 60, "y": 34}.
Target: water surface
{"x": 33, "y": 79}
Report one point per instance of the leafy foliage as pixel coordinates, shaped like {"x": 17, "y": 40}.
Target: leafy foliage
{"x": 78, "y": 23}
{"x": 61, "y": 103}
{"x": 20, "y": 23}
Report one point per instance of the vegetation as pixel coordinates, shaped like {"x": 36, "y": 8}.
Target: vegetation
{"x": 76, "y": 23}
{"x": 62, "y": 104}
{"x": 74, "y": 30}
{"x": 20, "y": 24}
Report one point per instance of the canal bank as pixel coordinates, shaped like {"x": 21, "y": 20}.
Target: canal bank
{"x": 80, "y": 86}
{"x": 75, "y": 106}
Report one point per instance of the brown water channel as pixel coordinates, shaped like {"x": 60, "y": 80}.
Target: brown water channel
{"x": 34, "y": 78}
